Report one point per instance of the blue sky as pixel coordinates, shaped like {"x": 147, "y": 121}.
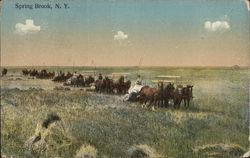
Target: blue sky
{"x": 156, "y": 31}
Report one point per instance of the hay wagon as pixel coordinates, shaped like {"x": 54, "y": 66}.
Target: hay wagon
{"x": 166, "y": 79}
{"x": 117, "y": 75}
{"x": 89, "y": 72}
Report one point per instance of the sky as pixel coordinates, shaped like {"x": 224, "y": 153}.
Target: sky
{"x": 126, "y": 33}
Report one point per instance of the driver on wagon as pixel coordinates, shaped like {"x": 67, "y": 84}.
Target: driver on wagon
{"x": 133, "y": 92}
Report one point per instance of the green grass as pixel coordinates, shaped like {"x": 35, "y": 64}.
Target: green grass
{"x": 218, "y": 114}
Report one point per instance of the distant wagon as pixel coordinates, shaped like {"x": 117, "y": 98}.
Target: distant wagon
{"x": 89, "y": 73}
{"x": 116, "y": 75}
{"x": 166, "y": 79}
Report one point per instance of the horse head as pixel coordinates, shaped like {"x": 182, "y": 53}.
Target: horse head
{"x": 190, "y": 90}
{"x": 121, "y": 79}
{"x": 160, "y": 85}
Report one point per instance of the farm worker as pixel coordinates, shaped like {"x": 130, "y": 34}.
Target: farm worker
{"x": 133, "y": 92}
{"x": 100, "y": 77}
{"x": 75, "y": 74}
{"x": 138, "y": 80}
{"x": 137, "y": 87}
{"x": 60, "y": 73}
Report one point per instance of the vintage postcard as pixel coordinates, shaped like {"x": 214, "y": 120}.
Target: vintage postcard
{"x": 125, "y": 78}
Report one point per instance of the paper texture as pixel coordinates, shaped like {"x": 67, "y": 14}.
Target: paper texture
{"x": 124, "y": 78}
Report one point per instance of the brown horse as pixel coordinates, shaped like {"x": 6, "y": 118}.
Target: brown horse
{"x": 125, "y": 86}
{"x": 168, "y": 93}
{"x": 147, "y": 95}
{"x": 178, "y": 96}
{"x": 99, "y": 86}
{"x": 159, "y": 95}
{"x": 187, "y": 95}
{"x": 118, "y": 85}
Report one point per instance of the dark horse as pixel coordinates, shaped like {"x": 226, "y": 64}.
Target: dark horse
{"x": 187, "y": 95}
{"x": 62, "y": 77}
{"x": 108, "y": 85}
{"x": 178, "y": 96}
{"x": 33, "y": 72}
{"x": 26, "y": 72}
{"x": 4, "y": 72}
{"x": 183, "y": 93}
{"x": 168, "y": 93}
{"x": 100, "y": 85}
{"x": 89, "y": 80}
{"x": 125, "y": 86}
{"x": 43, "y": 74}
{"x": 118, "y": 85}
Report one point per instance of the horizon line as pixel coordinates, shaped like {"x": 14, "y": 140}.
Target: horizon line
{"x": 145, "y": 66}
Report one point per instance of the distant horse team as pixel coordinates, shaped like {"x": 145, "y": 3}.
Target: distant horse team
{"x": 107, "y": 85}
{"x": 159, "y": 96}
{"x": 78, "y": 80}
{"x": 102, "y": 85}
{"x": 43, "y": 74}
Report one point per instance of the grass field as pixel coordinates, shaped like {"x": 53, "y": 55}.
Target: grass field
{"x": 104, "y": 126}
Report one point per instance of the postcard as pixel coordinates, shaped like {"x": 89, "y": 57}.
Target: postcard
{"x": 125, "y": 78}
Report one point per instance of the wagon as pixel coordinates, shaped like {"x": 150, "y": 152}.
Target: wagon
{"x": 89, "y": 72}
{"x": 116, "y": 75}
{"x": 166, "y": 79}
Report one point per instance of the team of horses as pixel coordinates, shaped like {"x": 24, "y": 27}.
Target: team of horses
{"x": 102, "y": 85}
{"x": 79, "y": 80}
{"x": 62, "y": 77}
{"x": 110, "y": 86}
{"x": 43, "y": 74}
{"x": 162, "y": 95}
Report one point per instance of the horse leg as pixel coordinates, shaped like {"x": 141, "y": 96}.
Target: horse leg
{"x": 151, "y": 101}
{"x": 188, "y": 101}
{"x": 166, "y": 102}
{"x": 184, "y": 102}
{"x": 179, "y": 103}
{"x": 174, "y": 103}
{"x": 155, "y": 101}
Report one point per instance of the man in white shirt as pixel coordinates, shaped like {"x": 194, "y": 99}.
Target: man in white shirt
{"x": 133, "y": 92}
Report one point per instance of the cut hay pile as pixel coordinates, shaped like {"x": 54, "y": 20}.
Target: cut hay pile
{"x": 86, "y": 151}
{"x": 219, "y": 150}
{"x": 49, "y": 138}
{"x": 143, "y": 151}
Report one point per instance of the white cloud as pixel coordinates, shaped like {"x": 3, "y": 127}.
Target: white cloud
{"x": 120, "y": 36}
{"x": 216, "y": 26}
{"x": 248, "y": 4}
{"x": 28, "y": 27}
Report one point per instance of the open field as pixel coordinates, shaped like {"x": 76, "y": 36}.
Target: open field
{"x": 218, "y": 114}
